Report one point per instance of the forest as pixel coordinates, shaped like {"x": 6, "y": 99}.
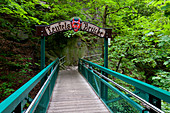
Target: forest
{"x": 140, "y": 47}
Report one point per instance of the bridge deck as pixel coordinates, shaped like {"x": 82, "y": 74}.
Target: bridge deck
{"x": 74, "y": 95}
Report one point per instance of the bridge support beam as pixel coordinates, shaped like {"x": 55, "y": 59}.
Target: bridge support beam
{"x": 42, "y": 52}
{"x": 106, "y": 52}
{"x": 104, "y": 88}
{"x": 43, "y": 58}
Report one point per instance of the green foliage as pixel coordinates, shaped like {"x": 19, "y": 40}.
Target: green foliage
{"x": 121, "y": 105}
{"x": 165, "y": 107}
{"x": 140, "y": 30}
{"x": 166, "y": 9}
{"x": 5, "y": 89}
{"x": 141, "y": 37}
{"x": 9, "y": 77}
{"x": 37, "y": 64}
{"x": 162, "y": 80}
{"x": 146, "y": 34}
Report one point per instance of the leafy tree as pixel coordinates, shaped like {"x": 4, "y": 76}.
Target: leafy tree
{"x": 140, "y": 47}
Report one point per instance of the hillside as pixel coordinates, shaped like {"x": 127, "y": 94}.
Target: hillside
{"x": 139, "y": 48}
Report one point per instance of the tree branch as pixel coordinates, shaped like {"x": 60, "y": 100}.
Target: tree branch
{"x": 118, "y": 3}
{"x": 118, "y": 10}
{"x": 105, "y": 16}
{"x": 87, "y": 15}
{"x": 104, "y": 25}
{"x": 117, "y": 67}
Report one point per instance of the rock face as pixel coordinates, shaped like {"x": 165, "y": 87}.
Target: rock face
{"x": 21, "y": 35}
{"x": 74, "y": 50}
{"x": 71, "y": 48}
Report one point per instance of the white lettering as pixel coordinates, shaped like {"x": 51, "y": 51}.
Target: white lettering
{"x": 93, "y": 29}
{"x": 66, "y": 25}
{"x": 58, "y": 27}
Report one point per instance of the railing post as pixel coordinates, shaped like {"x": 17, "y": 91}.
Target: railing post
{"x": 104, "y": 88}
{"x": 43, "y": 57}
{"x": 42, "y": 52}
{"x": 106, "y": 52}
{"x": 80, "y": 66}
{"x": 84, "y": 70}
{"x": 90, "y": 74}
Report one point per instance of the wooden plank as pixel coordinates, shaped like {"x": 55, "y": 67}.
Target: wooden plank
{"x": 74, "y": 95}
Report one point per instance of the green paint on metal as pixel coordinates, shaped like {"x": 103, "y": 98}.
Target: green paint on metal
{"x": 96, "y": 83}
{"x": 9, "y": 104}
{"x": 123, "y": 96}
{"x": 147, "y": 88}
{"x": 106, "y": 52}
{"x": 44, "y": 98}
{"x": 101, "y": 93}
{"x": 43, "y": 58}
{"x": 42, "y": 52}
{"x": 116, "y": 100}
{"x": 103, "y": 87}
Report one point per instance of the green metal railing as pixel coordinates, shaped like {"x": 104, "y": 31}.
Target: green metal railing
{"x": 146, "y": 98}
{"x": 15, "y": 103}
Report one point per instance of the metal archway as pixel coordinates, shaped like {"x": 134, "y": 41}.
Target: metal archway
{"x": 77, "y": 25}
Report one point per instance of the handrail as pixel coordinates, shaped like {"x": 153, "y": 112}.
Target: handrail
{"x": 91, "y": 56}
{"x": 122, "y": 95}
{"x": 9, "y": 104}
{"x": 62, "y": 61}
{"x": 41, "y": 91}
{"x": 62, "y": 58}
{"x": 157, "y": 92}
{"x": 146, "y": 104}
{"x": 149, "y": 96}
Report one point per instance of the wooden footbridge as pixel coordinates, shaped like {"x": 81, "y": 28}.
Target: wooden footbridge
{"x": 89, "y": 91}
{"x": 74, "y": 95}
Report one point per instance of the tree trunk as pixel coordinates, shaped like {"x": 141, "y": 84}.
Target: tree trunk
{"x": 121, "y": 60}
{"x": 104, "y": 25}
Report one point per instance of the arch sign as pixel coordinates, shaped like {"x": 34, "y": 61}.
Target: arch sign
{"x": 75, "y": 24}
